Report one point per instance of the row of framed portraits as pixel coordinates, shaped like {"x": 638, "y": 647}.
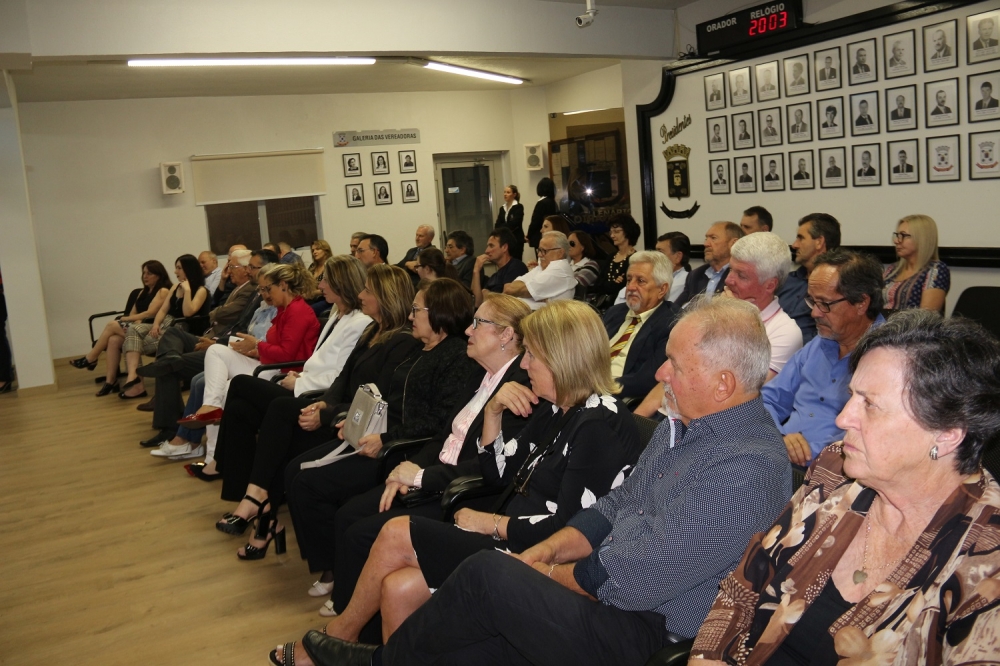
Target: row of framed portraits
{"x": 798, "y": 170}
{"x": 380, "y": 163}
{"x": 898, "y": 59}
{"x": 383, "y": 193}
{"x": 797, "y": 124}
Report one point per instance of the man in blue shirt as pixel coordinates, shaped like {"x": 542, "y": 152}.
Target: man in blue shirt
{"x": 640, "y": 568}
{"x": 845, "y": 294}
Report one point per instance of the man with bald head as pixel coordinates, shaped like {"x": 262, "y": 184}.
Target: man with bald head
{"x": 710, "y": 278}
{"x": 211, "y": 270}
{"x": 424, "y": 239}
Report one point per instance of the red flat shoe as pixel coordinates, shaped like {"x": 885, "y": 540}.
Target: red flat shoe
{"x": 201, "y": 420}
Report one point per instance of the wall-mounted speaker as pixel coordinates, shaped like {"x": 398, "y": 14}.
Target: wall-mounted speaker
{"x": 171, "y": 177}
{"x": 533, "y": 156}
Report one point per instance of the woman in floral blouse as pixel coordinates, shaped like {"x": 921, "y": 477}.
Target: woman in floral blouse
{"x": 918, "y": 279}
{"x": 890, "y": 551}
{"x": 579, "y": 443}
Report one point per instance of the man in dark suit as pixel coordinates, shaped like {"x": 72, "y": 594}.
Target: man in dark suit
{"x": 799, "y": 126}
{"x": 772, "y": 172}
{"x": 769, "y": 130}
{"x": 860, "y": 66}
{"x": 903, "y": 166}
{"x": 801, "y": 174}
{"x": 710, "y": 278}
{"x": 900, "y": 112}
{"x": 828, "y": 73}
{"x": 720, "y": 176}
{"x": 798, "y": 80}
{"x": 831, "y": 117}
{"x": 424, "y": 239}
{"x": 988, "y": 101}
{"x": 767, "y": 86}
{"x": 745, "y": 177}
{"x": 715, "y": 95}
{"x": 941, "y": 48}
{"x": 942, "y": 107}
{"x": 716, "y": 136}
{"x": 638, "y": 328}
{"x": 866, "y": 165}
{"x": 743, "y": 134}
{"x": 460, "y": 250}
{"x": 863, "y": 117}
{"x": 986, "y": 39}
{"x": 833, "y": 171}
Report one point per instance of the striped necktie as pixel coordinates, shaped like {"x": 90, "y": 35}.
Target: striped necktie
{"x": 622, "y": 342}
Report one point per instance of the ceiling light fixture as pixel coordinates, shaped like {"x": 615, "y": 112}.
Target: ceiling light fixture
{"x": 247, "y": 62}
{"x": 479, "y": 74}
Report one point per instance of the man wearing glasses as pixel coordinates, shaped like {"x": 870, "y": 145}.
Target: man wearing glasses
{"x": 553, "y": 277}
{"x": 372, "y": 249}
{"x": 845, "y": 294}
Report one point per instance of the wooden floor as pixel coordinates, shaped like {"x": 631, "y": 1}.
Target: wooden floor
{"x": 108, "y": 555}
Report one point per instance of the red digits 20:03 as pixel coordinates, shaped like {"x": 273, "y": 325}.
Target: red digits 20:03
{"x": 768, "y": 23}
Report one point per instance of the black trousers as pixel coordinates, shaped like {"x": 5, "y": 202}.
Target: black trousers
{"x": 6, "y": 372}
{"x": 168, "y": 404}
{"x": 258, "y": 435}
{"x": 315, "y": 495}
{"x": 497, "y": 610}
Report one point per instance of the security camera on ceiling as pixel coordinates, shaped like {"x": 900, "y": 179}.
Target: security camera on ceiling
{"x": 584, "y": 20}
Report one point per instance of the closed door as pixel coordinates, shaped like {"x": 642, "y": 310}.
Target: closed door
{"x": 466, "y": 197}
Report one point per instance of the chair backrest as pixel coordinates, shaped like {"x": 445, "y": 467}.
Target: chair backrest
{"x": 132, "y": 298}
{"x": 991, "y": 459}
{"x": 646, "y": 428}
{"x": 981, "y": 304}
{"x": 580, "y": 294}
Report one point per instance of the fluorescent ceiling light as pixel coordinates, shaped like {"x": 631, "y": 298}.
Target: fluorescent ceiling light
{"x": 464, "y": 71}
{"x": 247, "y": 62}
{"x": 573, "y": 113}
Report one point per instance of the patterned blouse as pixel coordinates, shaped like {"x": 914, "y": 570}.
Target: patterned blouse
{"x": 907, "y": 293}
{"x": 941, "y": 604}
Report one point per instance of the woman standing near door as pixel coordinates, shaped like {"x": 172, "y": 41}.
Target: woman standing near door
{"x": 6, "y": 371}
{"x": 511, "y": 216}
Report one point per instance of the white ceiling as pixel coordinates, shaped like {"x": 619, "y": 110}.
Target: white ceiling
{"x": 50, "y": 81}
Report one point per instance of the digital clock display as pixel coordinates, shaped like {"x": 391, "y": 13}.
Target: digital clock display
{"x": 748, "y": 25}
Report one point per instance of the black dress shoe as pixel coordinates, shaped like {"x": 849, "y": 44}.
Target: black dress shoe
{"x": 125, "y": 396}
{"x": 196, "y": 470}
{"x": 148, "y": 406}
{"x": 157, "y": 439}
{"x": 329, "y": 651}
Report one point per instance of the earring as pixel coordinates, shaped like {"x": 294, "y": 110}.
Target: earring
{"x": 503, "y": 347}
{"x": 934, "y": 454}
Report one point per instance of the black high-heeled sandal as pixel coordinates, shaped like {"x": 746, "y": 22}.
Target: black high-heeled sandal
{"x": 82, "y": 363}
{"x": 106, "y": 389}
{"x": 237, "y": 525}
{"x": 266, "y": 530}
{"x": 287, "y": 655}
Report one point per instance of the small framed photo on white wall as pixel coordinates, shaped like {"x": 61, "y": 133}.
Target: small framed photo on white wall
{"x": 833, "y": 166}
{"x": 983, "y": 91}
{"x": 355, "y": 195}
{"x": 769, "y": 126}
{"x": 867, "y": 165}
{"x": 864, "y": 113}
{"x": 719, "y": 170}
{"x": 739, "y": 87}
{"x": 830, "y": 116}
{"x": 380, "y": 163}
{"x": 743, "y": 130}
{"x": 715, "y": 92}
{"x": 941, "y": 46}
{"x": 718, "y": 134}
{"x": 799, "y": 122}
{"x": 411, "y": 193}
{"x": 773, "y": 168}
{"x": 796, "y": 75}
{"x": 941, "y": 102}
{"x": 982, "y": 33}
{"x": 352, "y": 164}
{"x": 904, "y": 161}
{"x": 901, "y": 108}
{"x": 407, "y": 161}
{"x": 944, "y": 159}
{"x": 828, "y": 69}
{"x": 899, "y": 51}
{"x": 746, "y": 175}
{"x": 983, "y": 161}
{"x": 383, "y": 193}
{"x": 862, "y": 62}
{"x": 800, "y": 165}
{"x": 766, "y": 75}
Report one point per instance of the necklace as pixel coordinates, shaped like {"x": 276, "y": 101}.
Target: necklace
{"x": 861, "y": 575}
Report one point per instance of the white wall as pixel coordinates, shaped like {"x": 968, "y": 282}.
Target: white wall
{"x": 600, "y": 89}
{"x": 94, "y": 184}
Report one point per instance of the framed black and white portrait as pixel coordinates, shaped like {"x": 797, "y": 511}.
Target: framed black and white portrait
{"x": 715, "y": 92}
{"x": 983, "y": 161}
{"x": 352, "y": 164}
{"x": 768, "y": 81}
{"x": 903, "y": 159}
{"x": 773, "y": 169}
{"x": 830, "y": 118}
{"x": 941, "y": 103}
{"x": 982, "y": 33}
{"x": 861, "y": 62}
{"x": 746, "y": 175}
{"x": 799, "y": 121}
{"x": 832, "y": 168}
{"x": 355, "y": 195}
{"x": 743, "y": 131}
{"x": 769, "y": 126}
{"x": 411, "y": 193}
{"x": 866, "y": 164}
{"x": 718, "y": 134}
{"x": 380, "y": 163}
{"x": 944, "y": 159}
{"x": 828, "y": 70}
{"x": 899, "y": 51}
{"x": 796, "y": 75}
{"x": 864, "y": 113}
{"x": 982, "y": 101}
{"x": 407, "y": 161}
{"x": 739, "y": 87}
{"x": 901, "y": 108}
{"x": 802, "y": 168}
{"x": 719, "y": 176}
{"x": 941, "y": 46}
{"x": 383, "y": 193}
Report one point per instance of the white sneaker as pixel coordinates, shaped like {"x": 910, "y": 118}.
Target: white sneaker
{"x": 196, "y": 452}
{"x": 167, "y": 450}
{"x": 327, "y": 609}
{"x": 321, "y": 589}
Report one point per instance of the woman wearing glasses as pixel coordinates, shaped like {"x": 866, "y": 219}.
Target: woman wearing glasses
{"x": 578, "y": 444}
{"x": 582, "y": 258}
{"x": 919, "y": 279}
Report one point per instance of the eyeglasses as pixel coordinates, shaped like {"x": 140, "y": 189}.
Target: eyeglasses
{"x": 414, "y": 309}
{"x": 542, "y": 252}
{"x": 824, "y": 306}
{"x": 476, "y": 321}
{"x": 234, "y": 266}
{"x": 900, "y": 236}
{"x": 572, "y": 243}
{"x": 265, "y": 288}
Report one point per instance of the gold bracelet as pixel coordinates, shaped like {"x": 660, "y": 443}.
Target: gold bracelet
{"x": 496, "y": 527}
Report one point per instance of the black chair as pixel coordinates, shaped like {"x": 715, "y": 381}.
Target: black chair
{"x": 980, "y": 304}
{"x": 991, "y": 458}
{"x": 132, "y": 298}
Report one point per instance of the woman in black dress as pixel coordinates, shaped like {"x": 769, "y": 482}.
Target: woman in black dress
{"x": 624, "y": 234}
{"x": 511, "y": 217}
{"x": 577, "y": 446}
{"x": 545, "y": 206}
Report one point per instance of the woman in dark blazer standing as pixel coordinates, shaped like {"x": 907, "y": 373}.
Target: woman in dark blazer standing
{"x": 545, "y": 206}
{"x": 511, "y": 216}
